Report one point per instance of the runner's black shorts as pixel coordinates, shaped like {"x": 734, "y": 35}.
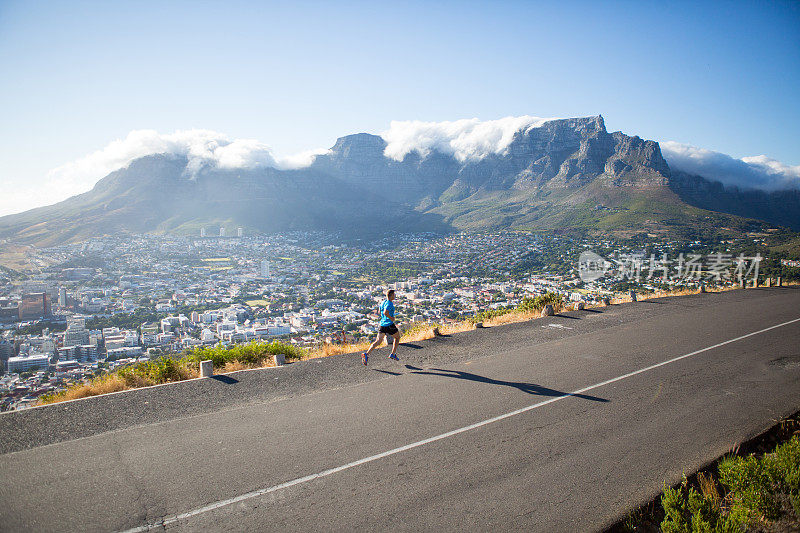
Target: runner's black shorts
{"x": 389, "y": 330}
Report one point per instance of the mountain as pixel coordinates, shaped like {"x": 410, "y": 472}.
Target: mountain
{"x": 155, "y": 194}
{"x": 558, "y": 175}
{"x": 781, "y": 207}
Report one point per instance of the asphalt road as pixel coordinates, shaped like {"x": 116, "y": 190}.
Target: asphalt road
{"x": 558, "y": 424}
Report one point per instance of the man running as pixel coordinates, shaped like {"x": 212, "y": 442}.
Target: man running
{"x": 387, "y": 327}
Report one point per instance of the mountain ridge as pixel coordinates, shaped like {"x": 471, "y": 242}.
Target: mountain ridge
{"x": 561, "y": 174}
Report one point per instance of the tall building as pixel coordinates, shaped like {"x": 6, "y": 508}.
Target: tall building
{"x": 240, "y": 232}
{"x": 34, "y": 305}
{"x": 221, "y": 231}
{"x": 202, "y": 232}
{"x": 6, "y": 352}
{"x": 265, "y": 268}
{"x": 62, "y": 296}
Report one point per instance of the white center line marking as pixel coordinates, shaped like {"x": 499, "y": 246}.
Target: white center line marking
{"x": 253, "y": 494}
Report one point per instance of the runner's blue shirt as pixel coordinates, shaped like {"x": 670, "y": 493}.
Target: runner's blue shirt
{"x": 386, "y": 305}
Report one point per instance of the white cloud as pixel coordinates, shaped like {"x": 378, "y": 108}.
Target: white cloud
{"x": 201, "y": 147}
{"x": 466, "y": 140}
{"x": 755, "y": 172}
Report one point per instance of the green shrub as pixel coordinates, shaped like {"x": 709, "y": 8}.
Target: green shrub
{"x": 249, "y": 354}
{"x": 152, "y": 372}
{"x": 676, "y": 515}
{"x": 417, "y": 327}
{"x": 537, "y": 303}
{"x": 783, "y": 466}
{"x": 688, "y": 511}
{"x": 754, "y": 487}
{"x": 751, "y": 487}
{"x": 484, "y": 316}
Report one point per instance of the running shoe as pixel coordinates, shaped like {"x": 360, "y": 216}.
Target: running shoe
{"x": 394, "y": 356}
{"x": 364, "y": 358}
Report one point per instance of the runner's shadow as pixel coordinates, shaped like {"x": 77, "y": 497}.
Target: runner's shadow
{"x": 386, "y": 372}
{"x": 530, "y": 388}
{"x": 411, "y": 345}
{"x": 567, "y": 316}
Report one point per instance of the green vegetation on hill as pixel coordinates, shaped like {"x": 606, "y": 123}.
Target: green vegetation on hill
{"x": 527, "y": 304}
{"x": 596, "y": 209}
{"x": 246, "y": 354}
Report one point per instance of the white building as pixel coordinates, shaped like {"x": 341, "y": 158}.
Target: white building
{"x": 85, "y": 352}
{"x": 23, "y": 363}
{"x": 123, "y": 352}
{"x": 171, "y": 323}
{"x": 265, "y": 268}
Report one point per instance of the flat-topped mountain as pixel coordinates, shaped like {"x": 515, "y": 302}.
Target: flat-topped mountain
{"x": 530, "y": 174}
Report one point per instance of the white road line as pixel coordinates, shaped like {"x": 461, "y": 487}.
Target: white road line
{"x": 223, "y": 503}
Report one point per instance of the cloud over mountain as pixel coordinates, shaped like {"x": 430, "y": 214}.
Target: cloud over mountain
{"x": 201, "y": 147}
{"x": 466, "y": 140}
{"x": 755, "y": 172}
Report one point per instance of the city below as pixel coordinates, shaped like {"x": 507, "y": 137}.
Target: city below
{"x": 89, "y": 308}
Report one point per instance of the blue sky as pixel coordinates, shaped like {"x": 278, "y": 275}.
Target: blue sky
{"x": 75, "y": 76}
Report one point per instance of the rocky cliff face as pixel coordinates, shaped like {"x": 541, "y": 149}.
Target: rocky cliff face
{"x": 558, "y": 154}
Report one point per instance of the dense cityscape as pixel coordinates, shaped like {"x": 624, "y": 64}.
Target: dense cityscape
{"x": 112, "y": 301}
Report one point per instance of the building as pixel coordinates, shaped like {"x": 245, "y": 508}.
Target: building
{"x": 202, "y": 232}
{"x": 240, "y": 232}
{"x": 62, "y": 297}
{"x": 173, "y": 323}
{"x": 86, "y": 352}
{"x": 6, "y": 352}
{"x": 221, "y": 231}
{"x": 9, "y": 311}
{"x": 265, "y": 268}
{"x": 123, "y": 352}
{"x": 149, "y": 328}
{"x": 115, "y": 338}
{"x": 76, "y": 334}
{"x": 23, "y": 363}
{"x": 34, "y": 305}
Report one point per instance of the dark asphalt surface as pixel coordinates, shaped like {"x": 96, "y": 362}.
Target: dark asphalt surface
{"x": 576, "y": 464}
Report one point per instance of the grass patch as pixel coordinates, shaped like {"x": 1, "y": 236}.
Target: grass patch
{"x": 255, "y": 353}
{"x": 167, "y": 369}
